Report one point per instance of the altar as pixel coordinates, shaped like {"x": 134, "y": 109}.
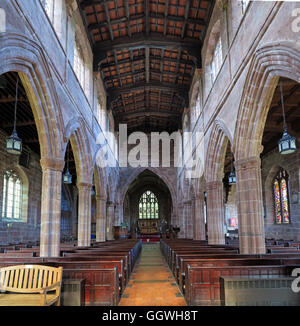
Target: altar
{"x": 148, "y": 226}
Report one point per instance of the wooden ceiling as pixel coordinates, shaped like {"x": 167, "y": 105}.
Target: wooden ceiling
{"x": 25, "y": 125}
{"x": 274, "y": 124}
{"x": 273, "y": 130}
{"x": 146, "y": 52}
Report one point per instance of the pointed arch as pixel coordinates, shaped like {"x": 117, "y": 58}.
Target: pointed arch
{"x": 216, "y": 150}
{"x": 268, "y": 64}
{"x": 136, "y": 172}
{"x": 20, "y": 54}
{"x": 77, "y": 134}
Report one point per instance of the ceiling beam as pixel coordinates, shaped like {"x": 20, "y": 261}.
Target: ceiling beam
{"x": 186, "y": 16}
{"x": 165, "y": 16}
{"x": 107, "y": 16}
{"x": 115, "y": 92}
{"x": 141, "y": 40}
{"x": 18, "y": 124}
{"x": 146, "y": 17}
{"x": 143, "y": 112}
{"x": 11, "y": 99}
{"x": 147, "y": 20}
{"x": 113, "y": 96}
{"x": 128, "y": 17}
{"x": 160, "y": 59}
{"x": 125, "y": 74}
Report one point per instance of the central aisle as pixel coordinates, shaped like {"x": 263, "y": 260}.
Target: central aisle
{"x": 152, "y": 283}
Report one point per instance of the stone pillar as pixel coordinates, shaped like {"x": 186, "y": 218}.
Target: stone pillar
{"x": 117, "y": 220}
{"x": 84, "y": 214}
{"x": 188, "y": 219}
{"x": 100, "y": 218}
{"x": 110, "y": 220}
{"x": 51, "y": 207}
{"x": 250, "y": 206}
{"x": 74, "y": 230}
{"x": 180, "y": 221}
{"x": 199, "y": 222}
{"x": 215, "y": 212}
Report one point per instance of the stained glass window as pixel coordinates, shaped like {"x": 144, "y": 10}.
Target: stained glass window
{"x": 148, "y": 206}
{"x": 12, "y": 192}
{"x": 281, "y": 198}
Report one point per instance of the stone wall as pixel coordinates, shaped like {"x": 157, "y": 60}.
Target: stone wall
{"x": 271, "y": 164}
{"x": 29, "y": 228}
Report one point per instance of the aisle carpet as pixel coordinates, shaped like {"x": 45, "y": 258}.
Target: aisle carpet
{"x": 152, "y": 283}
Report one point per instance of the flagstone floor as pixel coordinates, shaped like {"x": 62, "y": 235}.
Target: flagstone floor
{"x": 151, "y": 283}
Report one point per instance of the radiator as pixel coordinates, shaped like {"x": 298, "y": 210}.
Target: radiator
{"x": 72, "y": 293}
{"x": 258, "y": 291}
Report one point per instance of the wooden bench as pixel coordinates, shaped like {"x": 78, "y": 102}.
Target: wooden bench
{"x": 203, "y": 283}
{"x": 258, "y": 291}
{"x": 30, "y": 285}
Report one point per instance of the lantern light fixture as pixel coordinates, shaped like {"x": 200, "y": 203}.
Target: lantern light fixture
{"x": 287, "y": 144}
{"x": 13, "y": 142}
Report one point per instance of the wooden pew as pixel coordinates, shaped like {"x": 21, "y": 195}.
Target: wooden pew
{"x": 101, "y": 285}
{"x": 188, "y": 259}
{"x": 103, "y": 270}
{"x": 203, "y": 283}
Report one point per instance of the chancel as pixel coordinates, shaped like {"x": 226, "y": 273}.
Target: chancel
{"x": 149, "y": 153}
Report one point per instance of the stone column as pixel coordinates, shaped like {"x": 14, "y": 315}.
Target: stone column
{"x": 187, "y": 209}
{"x": 215, "y": 212}
{"x": 199, "y": 222}
{"x": 51, "y": 207}
{"x": 180, "y": 221}
{"x": 100, "y": 218}
{"x": 74, "y": 212}
{"x": 84, "y": 214}
{"x": 250, "y": 206}
{"x": 110, "y": 220}
{"x": 117, "y": 220}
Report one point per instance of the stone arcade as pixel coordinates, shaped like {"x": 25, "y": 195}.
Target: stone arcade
{"x": 93, "y": 73}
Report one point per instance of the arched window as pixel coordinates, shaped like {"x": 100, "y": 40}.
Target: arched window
{"x": 198, "y": 105}
{"x": 245, "y": 4}
{"x": 79, "y": 64}
{"x": 12, "y": 193}
{"x": 148, "y": 206}
{"x": 281, "y": 197}
{"x": 217, "y": 59}
{"x": 49, "y": 7}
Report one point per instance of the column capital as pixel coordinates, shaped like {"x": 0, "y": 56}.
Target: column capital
{"x": 100, "y": 197}
{"x": 246, "y": 163}
{"x": 214, "y": 184}
{"x": 84, "y": 185}
{"x": 199, "y": 196}
{"x": 110, "y": 204}
{"x": 52, "y": 164}
{"x": 187, "y": 202}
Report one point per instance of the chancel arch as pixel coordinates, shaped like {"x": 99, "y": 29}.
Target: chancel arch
{"x": 149, "y": 202}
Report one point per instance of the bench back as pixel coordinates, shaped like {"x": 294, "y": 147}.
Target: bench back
{"x": 28, "y": 278}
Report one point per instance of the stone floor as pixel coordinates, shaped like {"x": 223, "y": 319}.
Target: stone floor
{"x": 152, "y": 283}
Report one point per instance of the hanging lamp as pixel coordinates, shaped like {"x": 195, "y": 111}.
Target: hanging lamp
{"x": 232, "y": 177}
{"x": 287, "y": 144}
{"x": 68, "y": 176}
{"x": 13, "y": 142}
